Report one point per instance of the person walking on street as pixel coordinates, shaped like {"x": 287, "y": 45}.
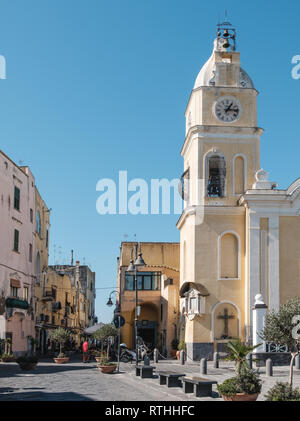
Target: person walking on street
{"x": 85, "y": 348}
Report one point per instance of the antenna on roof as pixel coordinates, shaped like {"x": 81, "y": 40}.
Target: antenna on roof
{"x": 72, "y": 261}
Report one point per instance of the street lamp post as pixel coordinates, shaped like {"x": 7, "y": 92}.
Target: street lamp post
{"x": 109, "y": 304}
{"x": 133, "y": 269}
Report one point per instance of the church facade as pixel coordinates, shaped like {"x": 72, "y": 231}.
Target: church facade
{"x": 238, "y": 231}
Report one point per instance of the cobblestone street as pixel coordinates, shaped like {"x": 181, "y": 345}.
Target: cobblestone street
{"x": 76, "y": 381}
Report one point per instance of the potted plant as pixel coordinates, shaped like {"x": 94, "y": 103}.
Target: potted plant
{"x": 7, "y": 358}
{"x": 98, "y": 356}
{"x": 105, "y": 366}
{"x": 27, "y": 362}
{"x": 181, "y": 347}
{"x": 60, "y": 336}
{"x": 174, "y": 346}
{"x": 104, "y": 334}
{"x": 245, "y": 386}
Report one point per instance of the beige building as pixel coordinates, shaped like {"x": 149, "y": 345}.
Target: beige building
{"x": 41, "y": 223}
{"x": 238, "y": 233}
{"x": 158, "y": 295}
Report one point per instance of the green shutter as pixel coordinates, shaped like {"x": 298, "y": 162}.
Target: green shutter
{"x": 17, "y": 198}
{"x": 16, "y": 241}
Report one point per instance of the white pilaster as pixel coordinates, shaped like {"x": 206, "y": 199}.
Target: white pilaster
{"x": 253, "y": 262}
{"x": 274, "y": 262}
{"x": 259, "y": 314}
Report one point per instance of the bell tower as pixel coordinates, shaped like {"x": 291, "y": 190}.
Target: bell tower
{"x": 221, "y": 154}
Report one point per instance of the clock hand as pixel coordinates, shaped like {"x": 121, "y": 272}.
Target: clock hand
{"x": 228, "y": 108}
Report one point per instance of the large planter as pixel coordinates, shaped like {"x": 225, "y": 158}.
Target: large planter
{"x": 241, "y": 397}
{"x": 107, "y": 369}
{"x": 63, "y": 360}
{"x": 7, "y": 359}
{"x": 27, "y": 366}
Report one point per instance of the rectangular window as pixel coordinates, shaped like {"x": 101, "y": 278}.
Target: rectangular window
{"x": 31, "y": 215}
{"x": 14, "y": 292}
{"x": 30, "y": 252}
{"x": 16, "y": 240}
{"x": 147, "y": 281}
{"x": 17, "y": 198}
{"x": 25, "y": 293}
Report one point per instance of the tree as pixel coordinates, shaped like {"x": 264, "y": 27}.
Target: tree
{"x": 104, "y": 333}
{"x": 59, "y": 335}
{"x": 281, "y": 328}
{"x": 237, "y": 352}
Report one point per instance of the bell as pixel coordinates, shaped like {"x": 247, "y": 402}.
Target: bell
{"x": 219, "y": 34}
{"x": 225, "y": 33}
{"x": 226, "y": 44}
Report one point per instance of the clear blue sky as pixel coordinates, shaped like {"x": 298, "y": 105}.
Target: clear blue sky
{"x": 94, "y": 87}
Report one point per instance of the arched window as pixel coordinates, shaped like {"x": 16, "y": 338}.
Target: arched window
{"x": 229, "y": 265}
{"x": 239, "y": 175}
{"x": 216, "y": 176}
{"x": 38, "y": 223}
{"x": 38, "y": 267}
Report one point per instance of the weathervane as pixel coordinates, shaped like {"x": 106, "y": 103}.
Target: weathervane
{"x": 226, "y": 35}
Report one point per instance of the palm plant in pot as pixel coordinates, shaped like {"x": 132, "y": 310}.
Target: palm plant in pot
{"x": 60, "y": 336}
{"x": 246, "y": 385}
{"x": 105, "y": 366}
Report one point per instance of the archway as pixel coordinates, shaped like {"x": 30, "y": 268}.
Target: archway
{"x": 225, "y": 324}
{"x": 148, "y": 325}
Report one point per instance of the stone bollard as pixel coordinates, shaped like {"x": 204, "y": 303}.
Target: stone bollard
{"x": 146, "y": 361}
{"x": 249, "y": 361}
{"x": 216, "y": 359}
{"x": 203, "y": 366}
{"x": 297, "y": 362}
{"x": 155, "y": 355}
{"x": 269, "y": 367}
{"x": 182, "y": 357}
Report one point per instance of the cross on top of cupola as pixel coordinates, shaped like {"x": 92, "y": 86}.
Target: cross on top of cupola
{"x": 226, "y": 35}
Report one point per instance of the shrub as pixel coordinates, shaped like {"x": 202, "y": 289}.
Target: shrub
{"x": 105, "y": 361}
{"x": 5, "y": 355}
{"x": 174, "y": 344}
{"x": 25, "y": 359}
{"x": 283, "y": 392}
{"x": 61, "y": 355}
{"x": 229, "y": 387}
{"x": 247, "y": 381}
{"x": 181, "y": 345}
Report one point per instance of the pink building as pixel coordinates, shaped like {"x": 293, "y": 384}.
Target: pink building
{"x": 17, "y": 251}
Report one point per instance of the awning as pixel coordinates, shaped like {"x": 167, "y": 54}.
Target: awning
{"x": 92, "y": 329}
{"x": 187, "y": 286}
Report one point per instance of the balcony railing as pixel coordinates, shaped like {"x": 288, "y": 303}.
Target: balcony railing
{"x": 16, "y": 302}
{"x": 47, "y": 295}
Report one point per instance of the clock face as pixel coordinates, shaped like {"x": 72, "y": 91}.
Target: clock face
{"x": 227, "y": 109}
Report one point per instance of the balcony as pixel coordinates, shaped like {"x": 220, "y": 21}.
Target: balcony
{"x": 15, "y": 302}
{"x": 47, "y": 296}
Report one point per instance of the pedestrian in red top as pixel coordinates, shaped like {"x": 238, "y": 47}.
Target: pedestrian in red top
{"x": 85, "y": 348}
